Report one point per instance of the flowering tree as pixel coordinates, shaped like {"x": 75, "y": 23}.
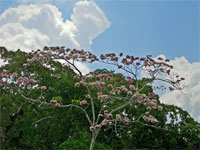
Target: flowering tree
{"x": 112, "y": 92}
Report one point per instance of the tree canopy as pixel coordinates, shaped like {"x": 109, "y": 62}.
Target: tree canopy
{"x": 34, "y": 126}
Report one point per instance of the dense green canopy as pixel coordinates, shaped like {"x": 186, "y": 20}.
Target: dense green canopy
{"x": 27, "y": 126}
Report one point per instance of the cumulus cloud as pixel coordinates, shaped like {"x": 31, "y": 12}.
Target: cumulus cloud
{"x": 190, "y": 98}
{"x": 33, "y": 26}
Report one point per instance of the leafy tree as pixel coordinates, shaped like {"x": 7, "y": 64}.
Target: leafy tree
{"x": 122, "y": 99}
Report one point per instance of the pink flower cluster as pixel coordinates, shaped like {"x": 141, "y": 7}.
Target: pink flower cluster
{"x": 125, "y": 121}
{"x": 92, "y": 127}
{"x": 4, "y": 75}
{"x": 88, "y": 96}
{"x": 132, "y": 87}
{"x": 129, "y": 81}
{"x": 106, "y": 114}
{"x": 77, "y": 84}
{"x": 100, "y": 115}
{"x": 110, "y": 85}
{"x": 129, "y": 92}
{"x": 118, "y": 117}
{"x": 76, "y": 77}
{"x": 117, "y": 91}
{"x": 43, "y": 87}
{"x": 150, "y": 119}
{"x": 123, "y": 88}
{"x": 24, "y": 80}
{"x": 83, "y": 102}
{"x": 160, "y": 108}
{"x": 104, "y": 76}
{"x": 101, "y": 96}
{"x": 14, "y": 74}
{"x": 105, "y": 122}
{"x": 55, "y": 102}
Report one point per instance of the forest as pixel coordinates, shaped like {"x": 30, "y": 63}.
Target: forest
{"x": 48, "y": 105}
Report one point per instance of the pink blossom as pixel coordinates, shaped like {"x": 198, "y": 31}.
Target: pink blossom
{"x": 139, "y": 101}
{"x": 105, "y": 111}
{"x": 99, "y": 93}
{"x": 110, "y": 85}
{"x": 4, "y": 75}
{"x": 118, "y": 117}
{"x": 75, "y": 76}
{"x": 132, "y": 87}
{"x": 100, "y": 115}
{"x": 117, "y": 91}
{"x": 83, "y": 83}
{"x": 100, "y": 83}
{"x": 57, "y": 104}
{"x": 146, "y": 118}
{"x": 148, "y": 108}
{"x": 77, "y": 84}
{"x": 102, "y": 97}
{"x": 126, "y": 121}
{"x": 110, "y": 123}
{"x": 14, "y": 74}
{"x": 129, "y": 92}
{"x": 153, "y": 119}
{"x": 160, "y": 108}
{"x": 108, "y": 115}
{"x": 123, "y": 88}
{"x": 20, "y": 80}
{"x": 104, "y": 122}
{"x": 31, "y": 81}
{"x": 83, "y": 102}
{"x": 92, "y": 128}
{"x": 147, "y": 100}
{"x": 154, "y": 101}
{"x": 150, "y": 119}
{"x": 92, "y": 83}
{"x": 130, "y": 81}
{"x": 53, "y": 101}
{"x": 88, "y": 96}
{"x": 43, "y": 87}
{"x": 26, "y": 80}
{"x": 146, "y": 113}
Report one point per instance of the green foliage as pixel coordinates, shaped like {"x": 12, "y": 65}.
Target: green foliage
{"x": 74, "y": 143}
{"x": 76, "y": 102}
{"x": 58, "y": 98}
{"x": 60, "y": 128}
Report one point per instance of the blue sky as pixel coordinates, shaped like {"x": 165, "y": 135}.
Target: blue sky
{"x": 140, "y": 28}
{"x": 144, "y": 27}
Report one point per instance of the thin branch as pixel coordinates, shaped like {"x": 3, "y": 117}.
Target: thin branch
{"x": 42, "y": 120}
{"x": 86, "y": 114}
{"x": 92, "y": 104}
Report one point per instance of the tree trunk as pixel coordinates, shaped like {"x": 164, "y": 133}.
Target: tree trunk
{"x": 94, "y": 136}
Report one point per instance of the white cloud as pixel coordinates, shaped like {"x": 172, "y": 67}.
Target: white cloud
{"x": 91, "y": 24}
{"x": 190, "y": 100}
{"x": 33, "y": 26}
{"x": 14, "y": 34}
